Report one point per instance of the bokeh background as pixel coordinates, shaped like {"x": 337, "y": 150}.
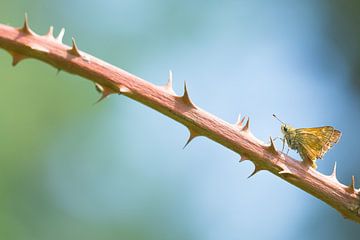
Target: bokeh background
{"x": 116, "y": 170}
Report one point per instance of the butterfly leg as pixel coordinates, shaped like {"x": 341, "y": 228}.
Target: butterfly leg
{"x": 283, "y": 143}
{"x": 280, "y": 138}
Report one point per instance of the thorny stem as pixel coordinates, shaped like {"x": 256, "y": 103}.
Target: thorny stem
{"x": 23, "y": 43}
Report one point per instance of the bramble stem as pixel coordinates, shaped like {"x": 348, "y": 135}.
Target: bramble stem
{"x": 23, "y": 43}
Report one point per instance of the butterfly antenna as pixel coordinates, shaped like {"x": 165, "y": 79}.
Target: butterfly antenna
{"x": 278, "y": 119}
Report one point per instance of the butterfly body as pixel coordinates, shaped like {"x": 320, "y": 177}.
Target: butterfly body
{"x": 289, "y": 134}
{"x": 310, "y": 143}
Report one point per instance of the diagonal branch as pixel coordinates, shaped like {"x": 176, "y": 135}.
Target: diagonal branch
{"x": 24, "y": 43}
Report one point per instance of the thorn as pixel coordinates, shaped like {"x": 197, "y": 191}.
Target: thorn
{"x": 243, "y": 157}
{"x": 59, "y": 38}
{"x": 351, "y": 187}
{"x": 26, "y": 29}
{"x": 185, "y": 97}
{"x": 240, "y": 121}
{"x": 169, "y": 85}
{"x": 16, "y": 58}
{"x": 333, "y": 174}
{"x": 50, "y": 33}
{"x": 58, "y": 71}
{"x": 247, "y": 125}
{"x": 272, "y": 147}
{"x": 104, "y": 92}
{"x": 192, "y": 135}
{"x": 170, "y": 80}
{"x": 74, "y": 50}
{"x": 256, "y": 170}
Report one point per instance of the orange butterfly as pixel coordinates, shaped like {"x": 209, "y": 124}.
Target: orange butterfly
{"x": 310, "y": 143}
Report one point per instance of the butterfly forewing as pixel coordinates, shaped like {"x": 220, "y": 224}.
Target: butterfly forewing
{"x": 313, "y": 143}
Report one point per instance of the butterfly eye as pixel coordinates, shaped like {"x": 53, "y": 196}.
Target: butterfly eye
{"x": 285, "y": 129}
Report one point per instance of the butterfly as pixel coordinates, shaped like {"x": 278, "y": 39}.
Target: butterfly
{"x": 310, "y": 143}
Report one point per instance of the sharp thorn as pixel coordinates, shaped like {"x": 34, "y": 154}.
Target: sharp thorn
{"x": 243, "y": 157}
{"x": 186, "y": 99}
{"x": 240, "y": 121}
{"x": 256, "y": 170}
{"x": 74, "y": 50}
{"x": 26, "y": 29}
{"x": 169, "y": 85}
{"x": 103, "y": 96}
{"x": 247, "y": 125}
{"x": 170, "y": 80}
{"x": 104, "y": 92}
{"x": 58, "y": 71}
{"x": 50, "y": 33}
{"x": 333, "y": 174}
{"x": 192, "y": 135}
{"x": 351, "y": 187}
{"x": 16, "y": 58}
{"x": 26, "y": 23}
{"x": 59, "y": 38}
{"x": 272, "y": 147}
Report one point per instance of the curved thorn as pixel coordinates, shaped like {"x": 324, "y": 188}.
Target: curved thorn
{"x": 333, "y": 174}
{"x": 256, "y": 170}
{"x": 243, "y": 157}
{"x": 50, "y": 33}
{"x": 26, "y": 29}
{"x": 272, "y": 147}
{"x": 169, "y": 85}
{"x": 192, "y": 135}
{"x": 351, "y": 187}
{"x": 104, "y": 92}
{"x": 16, "y": 58}
{"x": 59, "y": 38}
{"x": 74, "y": 50}
{"x": 240, "y": 121}
{"x": 185, "y": 97}
{"x": 247, "y": 125}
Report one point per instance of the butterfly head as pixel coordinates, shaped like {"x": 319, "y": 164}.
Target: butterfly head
{"x": 285, "y": 128}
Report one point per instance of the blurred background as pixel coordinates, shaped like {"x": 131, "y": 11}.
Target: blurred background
{"x": 116, "y": 170}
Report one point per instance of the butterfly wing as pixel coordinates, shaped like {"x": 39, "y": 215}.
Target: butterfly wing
{"x": 313, "y": 143}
